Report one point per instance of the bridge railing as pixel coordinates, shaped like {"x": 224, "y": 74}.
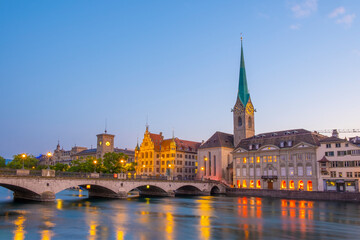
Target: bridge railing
{"x": 120, "y": 176}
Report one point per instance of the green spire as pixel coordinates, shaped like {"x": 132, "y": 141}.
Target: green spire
{"x": 243, "y": 91}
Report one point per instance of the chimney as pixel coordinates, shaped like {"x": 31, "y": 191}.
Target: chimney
{"x": 335, "y": 133}
{"x": 160, "y": 133}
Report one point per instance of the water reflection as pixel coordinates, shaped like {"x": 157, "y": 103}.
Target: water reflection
{"x": 178, "y": 218}
{"x": 19, "y": 232}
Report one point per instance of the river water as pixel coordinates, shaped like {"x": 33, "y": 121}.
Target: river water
{"x": 74, "y": 216}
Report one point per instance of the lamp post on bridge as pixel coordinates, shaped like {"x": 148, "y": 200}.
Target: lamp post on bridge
{"x": 49, "y": 155}
{"x": 23, "y": 156}
{"x": 95, "y": 166}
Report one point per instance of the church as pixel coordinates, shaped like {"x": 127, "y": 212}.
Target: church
{"x": 283, "y": 160}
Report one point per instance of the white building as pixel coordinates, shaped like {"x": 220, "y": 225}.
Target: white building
{"x": 339, "y": 165}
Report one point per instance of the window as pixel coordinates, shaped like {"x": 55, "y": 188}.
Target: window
{"x": 282, "y": 144}
{"x": 332, "y": 174}
{"x": 283, "y": 171}
{"x": 341, "y": 153}
{"x": 258, "y": 171}
{"x": 329, "y": 154}
{"x": 291, "y": 171}
{"x": 157, "y": 155}
{"x": 146, "y": 155}
{"x": 244, "y": 172}
{"x": 338, "y": 145}
{"x": 308, "y": 171}
{"x": 257, "y": 159}
{"x": 251, "y": 171}
{"x": 244, "y": 160}
{"x": 275, "y": 159}
{"x": 349, "y": 174}
{"x": 340, "y": 174}
{"x": 328, "y": 145}
{"x": 167, "y": 155}
{"x": 238, "y": 172}
{"x": 239, "y": 121}
{"x": 269, "y": 158}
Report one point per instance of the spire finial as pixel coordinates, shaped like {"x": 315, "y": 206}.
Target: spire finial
{"x": 147, "y": 122}
{"x": 241, "y": 36}
{"x": 105, "y": 125}
{"x": 173, "y": 134}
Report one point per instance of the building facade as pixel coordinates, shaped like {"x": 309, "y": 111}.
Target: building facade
{"x": 175, "y": 158}
{"x": 339, "y": 165}
{"x": 215, "y": 157}
{"x": 284, "y": 160}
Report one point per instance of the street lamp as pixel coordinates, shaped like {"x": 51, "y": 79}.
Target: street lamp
{"x": 95, "y": 166}
{"x": 49, "y": 156}
{"x": 202, "y": 174}
{"x": 23, "y": 156}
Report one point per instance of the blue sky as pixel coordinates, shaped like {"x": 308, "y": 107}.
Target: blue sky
{"x": 66, "y": 66}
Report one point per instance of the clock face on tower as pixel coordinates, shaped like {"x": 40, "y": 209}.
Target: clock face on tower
{"x": 107, "y": 143}
{"x": 250, "y": 109}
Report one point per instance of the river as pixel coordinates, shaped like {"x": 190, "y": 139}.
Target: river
{"x": 74, "y": 216}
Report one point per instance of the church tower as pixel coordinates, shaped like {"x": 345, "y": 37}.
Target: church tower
{"x": 105, "y": 144}
{"x": 243, "y": 110}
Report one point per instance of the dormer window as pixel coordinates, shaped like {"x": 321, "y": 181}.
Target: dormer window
{"x": 289, "y": 143}
{"x": 282, "y": 144}
{"x": 250, "y": 147}
{"x": 257, "y": 146}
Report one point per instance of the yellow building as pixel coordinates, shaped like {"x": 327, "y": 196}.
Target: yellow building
{"x": 174, "y": 158}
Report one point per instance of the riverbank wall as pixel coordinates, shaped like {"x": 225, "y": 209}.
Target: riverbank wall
{"x": 289, "y": 194}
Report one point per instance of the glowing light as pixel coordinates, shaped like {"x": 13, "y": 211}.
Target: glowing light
{"x": 205, "y": 158}
{"x": 283, "y": 184}
{"x": 169, "y": 165}
{"x": 95, "y": 162}
{"x": 291, "y": 185}
{"x": 59, "y": 204}
{"x": 202, "y": 168}
{"x": 301, "y": 185}
{"x": 19, "y": 231}
{"x": 147, "y": 186}
{"x": 49, "y": 154}
{"x": 23, "y": 156}
{"x": 244, "y": 185}
{"x": 107, "y": 143}
{"x": 143, "y": 165}
{"x": 252, "y": 184}
{"x": 258, "y": 184}
{"x": 309, "y": 186}
{"x": 87, "y": 186}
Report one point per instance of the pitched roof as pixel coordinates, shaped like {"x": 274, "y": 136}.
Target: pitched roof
{"x": 125, "y": 151}
{"x": 157, "y": 140}
{"x": 332, "y": 139}
{"x": 296, "y": 136}
{"x": 243, "y": 92}
{"x": 187, "y": 146}
{"x": 219, "y": 139}
{"x": 323, "y": 160}
{"x": 86, "y": 152}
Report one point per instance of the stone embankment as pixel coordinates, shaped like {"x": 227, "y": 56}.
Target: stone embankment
{"x": 289, "y": 194}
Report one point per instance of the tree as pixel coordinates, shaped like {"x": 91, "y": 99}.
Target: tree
{"x": 114, "y": 162}
{"x": 84, "y": 165}
{"x": 29, "y": 161}
{"x": 2, "y": 162}
{"x": 60, "y": 167}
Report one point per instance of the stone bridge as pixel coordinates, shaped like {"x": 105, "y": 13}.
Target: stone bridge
{"x": 44, "y": 188}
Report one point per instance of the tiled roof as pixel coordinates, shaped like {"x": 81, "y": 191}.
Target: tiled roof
{"x": 187, "y": 146}
{"x": 296, "y": 136}
{"x": 86, "y": 152}
{"x": 332, "y": 140}
{"x": 157, "y": 140}
{"x": 125, "y": 151}
{"x": 219, "y": 139}
{"x": 323, "y": 160}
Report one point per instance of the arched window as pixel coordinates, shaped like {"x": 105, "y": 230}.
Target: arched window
{"x": 301, "y": 185}
{"x": 239, "y": 121}
{"x": 150, "y": 154}
{"x": 258, "y": 184}
{"x": 252, "y": 184}
{"x": 283, "y": 184}
{"x": 249, "y": 122}
{"x": 238, "y": 184}
{"x": 309, "y": 185}
{"x": 142, "y": 155}
{"x": 146, "y": 155}
{"x": 244, "y": 185}
{"x": 291, "y": 185}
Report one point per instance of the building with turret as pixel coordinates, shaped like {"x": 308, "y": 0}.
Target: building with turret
{"x": 175, "y": 158}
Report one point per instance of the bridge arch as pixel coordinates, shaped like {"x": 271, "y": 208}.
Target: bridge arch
{"x": 188, "y": 190}
{"x": 215, "y": 190}
{"x": 21, "y": 192}
{"x": 150, "y": 190}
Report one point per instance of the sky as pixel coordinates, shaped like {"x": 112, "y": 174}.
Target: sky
{"x": 67, "y": 67}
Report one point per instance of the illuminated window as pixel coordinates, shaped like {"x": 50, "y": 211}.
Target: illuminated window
{"x": 264, "y": 158}
{"x": 257, "y": 159}
{"x": 275, "y": 159}
{"x": 309, "y": 185}
{"x": 291, "y": 185}
{"x": 252, "y": 160}
{"x": 301, "y": 185}
{"x": 283, "y": 185}
{"x": 269, "y": 158}
{"x": 238, "y": 184}
{"x": 244, "y": 185}
{"x": 252, "y": 184}
{"x": 244, "y": 160}
{"x": 258, "y": 184}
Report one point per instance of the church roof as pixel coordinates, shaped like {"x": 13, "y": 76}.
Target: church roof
{"x": 296, "y": 136}
{"x": 187, "y": 146}
{"x": 243, "y": 92}
{"x": 219, "y": 139}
